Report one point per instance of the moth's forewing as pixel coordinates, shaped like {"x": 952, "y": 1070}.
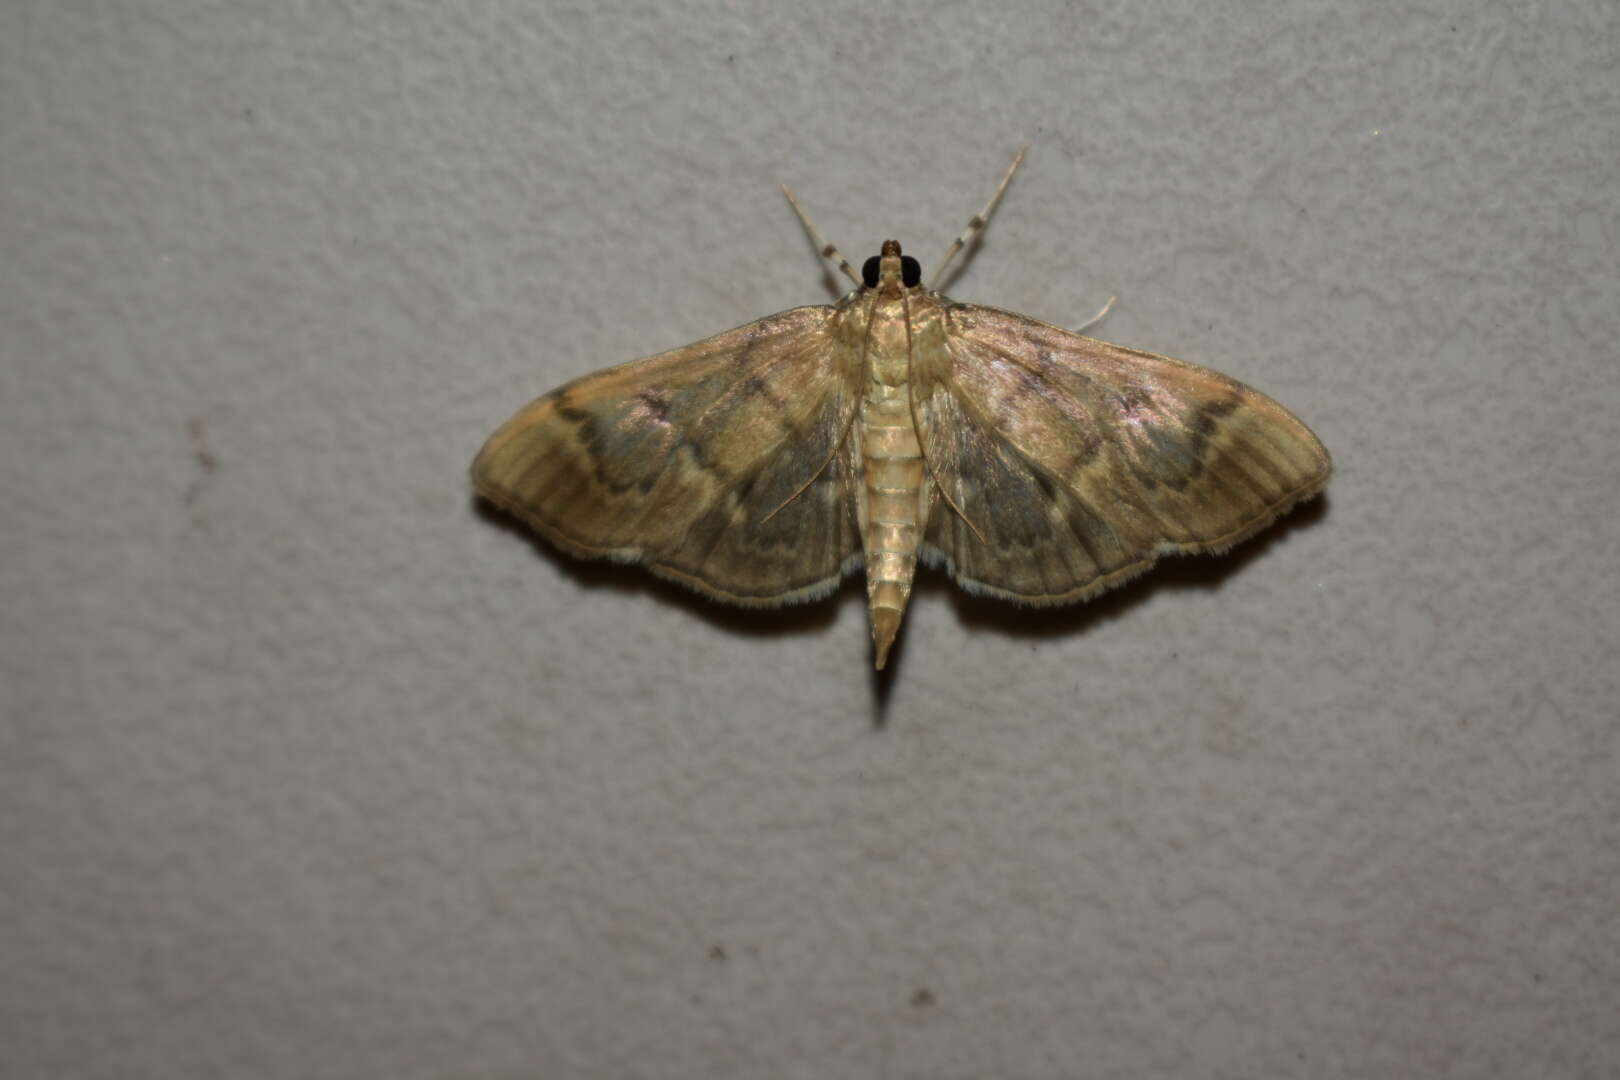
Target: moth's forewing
{"x": 1074, "y": 464}
{"x": 715, "y": 464}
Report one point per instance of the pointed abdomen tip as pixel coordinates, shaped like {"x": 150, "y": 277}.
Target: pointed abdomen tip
{"x": 885, "y": 624}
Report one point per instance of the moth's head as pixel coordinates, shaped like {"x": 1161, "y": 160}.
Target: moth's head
{"x": 891, "y": 271}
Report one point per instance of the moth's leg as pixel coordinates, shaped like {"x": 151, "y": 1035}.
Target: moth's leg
{"x": 979, "y": 220}
{"x": 828, "y": 251}
{"x": 1097, "y": 318}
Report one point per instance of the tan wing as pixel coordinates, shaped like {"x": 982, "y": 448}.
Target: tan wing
{"x": 1069, "y": 465}
{"x": 718, "y": 464}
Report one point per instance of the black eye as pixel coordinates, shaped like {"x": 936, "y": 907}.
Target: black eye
{"x": 869, "y": 271}
{"x": 910, "y": 271}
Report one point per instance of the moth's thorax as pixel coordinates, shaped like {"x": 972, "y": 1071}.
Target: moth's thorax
{"x": 886, "y": 332}
{"x": 888, "y": 341}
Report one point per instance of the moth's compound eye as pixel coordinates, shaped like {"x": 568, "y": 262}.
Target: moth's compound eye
{"x": 910, "y": 271}
{"x": 869, "y": 271}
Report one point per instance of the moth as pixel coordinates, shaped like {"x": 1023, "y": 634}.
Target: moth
{"x": 898, "y": 426}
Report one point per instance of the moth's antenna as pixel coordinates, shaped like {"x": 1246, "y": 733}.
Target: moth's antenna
{"x": 827, "y": 250}
{"x": 979, "y": 219}
{"x": 1097, "y": 318}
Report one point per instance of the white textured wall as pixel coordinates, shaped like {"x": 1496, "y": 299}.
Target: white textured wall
{"x": 311, "y": 769}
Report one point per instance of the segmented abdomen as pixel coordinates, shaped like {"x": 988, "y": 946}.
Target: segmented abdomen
{"x": 893, "y": 475}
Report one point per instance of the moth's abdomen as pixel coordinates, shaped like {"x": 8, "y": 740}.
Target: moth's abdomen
{"x": 891, "y": 507}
